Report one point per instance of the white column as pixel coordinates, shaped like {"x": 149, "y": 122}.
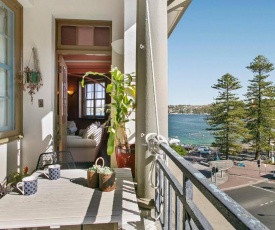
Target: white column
{"x": 145, "y": 112}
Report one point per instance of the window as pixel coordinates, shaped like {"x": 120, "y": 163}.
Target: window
{"x": 6, "y": 69}
{"x": 10, "y": 64}
{"x": 93, "y": 104}
{"x": 84, "y": 35}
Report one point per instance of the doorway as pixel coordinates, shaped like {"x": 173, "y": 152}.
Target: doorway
{"x": 82, "y": 45}
{"x": 82, "y": 105}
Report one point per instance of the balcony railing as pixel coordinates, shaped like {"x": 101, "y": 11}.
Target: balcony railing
{"x": 174, "y": 199}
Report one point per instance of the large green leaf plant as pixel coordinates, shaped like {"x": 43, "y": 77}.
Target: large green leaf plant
{"x": 122, "y": 91}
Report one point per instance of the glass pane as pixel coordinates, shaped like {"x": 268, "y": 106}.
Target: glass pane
{"x": 68, "y": 35}
{"x": 3, "y": 82}
{"x": 3, "y": 20}
{"x": 89, "y": 111}
{"x": 100, "y": 104}
{"x": 99, "y": 95}
{"x": 6, "y": 73}
{"x": 3, "y": 114}
{"x": 89, "y": 87}
{"x": 89, "y": 103}
{"x": 98, "y": 87}
{"x": 102, "y": 36}
{"x": 3, "y": 49}
{"x": 99, "y": 112}
{"x": 89, "y": 95}
{"x": 85, "y": 35}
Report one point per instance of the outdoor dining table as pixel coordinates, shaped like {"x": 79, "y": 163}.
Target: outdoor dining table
{"x": 69, "y": 201}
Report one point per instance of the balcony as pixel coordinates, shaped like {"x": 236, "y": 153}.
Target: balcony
{"x": 181, "y": 189}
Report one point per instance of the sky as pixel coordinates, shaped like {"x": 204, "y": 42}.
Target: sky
{"x": 215, "y": 37}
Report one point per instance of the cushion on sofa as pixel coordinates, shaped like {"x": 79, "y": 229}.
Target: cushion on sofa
{"x": 71, "y": 127}
{"x": 89, "y": 131}
{"x": 86, "y": 150}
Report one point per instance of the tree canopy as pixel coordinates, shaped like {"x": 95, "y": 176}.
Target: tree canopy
{"x": 226, "y": 118}
{"x": 260, "y": 105}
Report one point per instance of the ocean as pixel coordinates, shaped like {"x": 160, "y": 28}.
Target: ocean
{"x": 189, "y": 128}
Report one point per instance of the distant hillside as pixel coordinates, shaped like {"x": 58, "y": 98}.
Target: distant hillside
{"x": 189, "y": 109}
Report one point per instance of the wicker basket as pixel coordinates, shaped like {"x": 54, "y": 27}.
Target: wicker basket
{"x": 92, "y": 177}
{"x": 107, "y": 182}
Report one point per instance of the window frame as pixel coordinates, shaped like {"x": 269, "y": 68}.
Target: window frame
{"x": 17, "y": 94}
{"x": 80, "y": 22}
{"x": 84, "y": 100}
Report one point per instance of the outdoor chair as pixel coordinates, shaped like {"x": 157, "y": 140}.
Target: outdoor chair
{"x": 64, "y": 158}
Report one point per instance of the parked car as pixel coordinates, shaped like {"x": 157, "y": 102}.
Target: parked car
{"x": 203, "y": 150}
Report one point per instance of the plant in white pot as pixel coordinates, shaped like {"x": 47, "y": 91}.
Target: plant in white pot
{"x": 122, "y": 91}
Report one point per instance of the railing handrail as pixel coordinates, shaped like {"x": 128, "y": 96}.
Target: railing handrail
{"x": 238, "y": 217}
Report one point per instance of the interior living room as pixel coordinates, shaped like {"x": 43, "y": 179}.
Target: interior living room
{"x": 83, "y": 46}
{"x": 87, "y": 105}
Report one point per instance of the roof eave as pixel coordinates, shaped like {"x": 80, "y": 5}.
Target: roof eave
{"x": 175, "y": 10}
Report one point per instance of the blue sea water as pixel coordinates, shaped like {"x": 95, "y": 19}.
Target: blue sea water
{"x": 189, "y": 128}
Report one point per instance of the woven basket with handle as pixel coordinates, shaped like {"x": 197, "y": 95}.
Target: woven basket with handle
{"x": 92, "y": 177}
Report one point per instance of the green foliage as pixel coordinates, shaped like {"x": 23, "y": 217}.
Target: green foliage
{"x": 260, "y": 105}
{"x": 179, "y": 149}
{"x": 94, "y": 168}
{"x": 123, "y": 94}
{"x": 105, "y": 170}
{"x": 226, "y": 116}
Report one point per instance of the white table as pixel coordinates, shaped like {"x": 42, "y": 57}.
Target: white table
{"x": 68, "y": 201}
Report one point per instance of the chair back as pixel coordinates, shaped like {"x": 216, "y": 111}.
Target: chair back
{"x": 46, "y": 159}
{"x": 64, "y": 158}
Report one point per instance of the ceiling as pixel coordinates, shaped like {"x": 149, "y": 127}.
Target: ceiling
{"x": 79, "y": 64}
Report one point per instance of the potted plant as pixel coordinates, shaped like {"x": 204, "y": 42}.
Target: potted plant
{"x": 122, "y": 91}
{"x": 31, "y": 79}
{"x": 11, "y": 180}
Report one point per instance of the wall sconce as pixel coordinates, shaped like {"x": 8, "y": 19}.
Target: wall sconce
{"x": 71, "y": 92}
{"x": 118, "y": 46}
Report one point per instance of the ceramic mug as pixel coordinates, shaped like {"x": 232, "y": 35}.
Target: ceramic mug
{"x": 52, "y": 172}
{"x": 28, "y": 186}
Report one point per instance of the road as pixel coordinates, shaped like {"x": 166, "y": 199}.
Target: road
{"x": 259, "y": 200}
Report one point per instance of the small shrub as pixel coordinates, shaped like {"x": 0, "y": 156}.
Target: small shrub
{"x": 94, "y": 168}
{"x": 179, "y": 149}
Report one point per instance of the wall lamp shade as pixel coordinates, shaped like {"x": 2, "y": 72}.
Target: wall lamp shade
{"x": 118, "y": 46}
{"x": 71, "y": 92}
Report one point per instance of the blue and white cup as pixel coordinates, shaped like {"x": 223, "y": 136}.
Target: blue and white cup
{"x": 52, "y": 172}
{"x": 28, "y": 186}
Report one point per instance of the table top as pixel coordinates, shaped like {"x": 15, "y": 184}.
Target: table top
{"x": 69, "y": 201}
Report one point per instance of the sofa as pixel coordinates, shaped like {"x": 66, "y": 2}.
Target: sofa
{"x": 86, "y": 145}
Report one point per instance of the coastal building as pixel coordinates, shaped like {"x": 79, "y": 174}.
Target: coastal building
{"x": 83, "y": 35}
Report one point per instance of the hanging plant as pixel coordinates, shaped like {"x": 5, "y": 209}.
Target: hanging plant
{"x": 31, "y": 79}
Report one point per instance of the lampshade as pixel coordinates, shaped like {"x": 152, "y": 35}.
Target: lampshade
{"x": 70, "y": 92}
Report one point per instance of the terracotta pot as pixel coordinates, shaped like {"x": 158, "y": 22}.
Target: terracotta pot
{"x": 107, "y": 182}
{"x": 126, "y": 159}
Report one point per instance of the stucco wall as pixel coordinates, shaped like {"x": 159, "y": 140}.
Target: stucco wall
{"x": 130, "y": 9}
{"x": 39, "y": 32}
{"x": 3, "y": 161}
